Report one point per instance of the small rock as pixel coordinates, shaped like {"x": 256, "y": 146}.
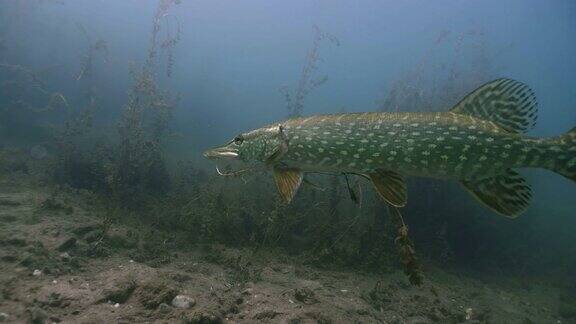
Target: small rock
{"x": 469, "y": 313}
{"x": 183, "y": 301}
{"x": 4, "y": 317}
{"x": 65, "y": 257}
{"x": 116, "y": 305}
{"x": 37, "y": 273}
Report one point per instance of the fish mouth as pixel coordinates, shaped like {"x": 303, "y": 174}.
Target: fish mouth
{"x": 227, "y": 153}
{"x": 222, "y": 152}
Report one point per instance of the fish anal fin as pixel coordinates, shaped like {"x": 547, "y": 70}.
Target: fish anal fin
{"x": 508, "y": 103}
{"x": 390, "y": 186}
{"x": 288, "y": 181}
{"x": 507, "y": 194}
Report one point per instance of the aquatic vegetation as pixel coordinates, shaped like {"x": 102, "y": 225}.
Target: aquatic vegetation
{"x": 95, "y": 48}
{"x": 26, "y": 100}
{"x": 450, "y": 68}
{"x": 76, "y": 164}
{"x": 137, "y": 163}
{"x": 171, "y": 36}
{"x": 24, "y": 89}
{"x": 406, "y": 248}
{"x": 129, "y": 166}
{"x": 308, "y": 80}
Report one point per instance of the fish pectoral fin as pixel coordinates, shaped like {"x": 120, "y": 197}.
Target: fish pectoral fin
{"x": 390, "y": 186}
{"x": 507, "y": 194}
{"x": 288, "y": 181}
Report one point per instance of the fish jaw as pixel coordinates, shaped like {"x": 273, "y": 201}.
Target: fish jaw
{"x": 227, "y": 152}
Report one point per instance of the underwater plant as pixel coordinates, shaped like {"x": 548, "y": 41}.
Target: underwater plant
{"x": 173, "y": 29}
{"x": 95, "y": 48}
{"x": 450, "y": 68}
{"x": 25, "y": 99}
{"x": 308, "y": 80}
{"x": 138, "y": 165}
{"x": 405, "y": 247}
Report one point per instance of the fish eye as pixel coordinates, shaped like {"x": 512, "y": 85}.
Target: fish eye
{"x": 238, "y": 140}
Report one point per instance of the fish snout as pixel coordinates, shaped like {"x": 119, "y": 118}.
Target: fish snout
{"x": 222, "y": 152}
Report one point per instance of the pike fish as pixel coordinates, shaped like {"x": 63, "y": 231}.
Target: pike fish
{"x": 480, "y": 142}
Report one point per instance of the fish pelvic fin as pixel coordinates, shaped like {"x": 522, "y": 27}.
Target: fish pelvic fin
{"x": 508, "y": 103}
{"x": 507, "y": 194}
{"x": 390, "y": 186}
{"x": 565, "y": 160}
{"x": 288, "y": 181}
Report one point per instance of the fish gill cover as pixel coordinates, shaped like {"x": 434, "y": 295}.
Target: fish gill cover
{"x": 107, "y": 106}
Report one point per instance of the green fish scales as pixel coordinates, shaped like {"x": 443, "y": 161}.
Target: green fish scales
{"x": 440, "y": 145}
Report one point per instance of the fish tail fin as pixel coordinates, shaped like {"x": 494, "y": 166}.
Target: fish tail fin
{"x": 566, "y": 161}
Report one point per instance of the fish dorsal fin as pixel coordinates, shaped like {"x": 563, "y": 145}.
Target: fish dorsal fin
{"x": 288, "y": 181}
{"x": 508, "y": 103}
{"x": 507, "y": 194}
{"x": 390, "y": 186}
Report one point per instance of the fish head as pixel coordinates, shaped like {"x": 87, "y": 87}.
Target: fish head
{"x": 262, "y": 145}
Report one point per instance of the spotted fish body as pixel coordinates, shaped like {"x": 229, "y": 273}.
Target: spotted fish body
{"x": 439, "y": 145}
{"x": 479, "y": 142}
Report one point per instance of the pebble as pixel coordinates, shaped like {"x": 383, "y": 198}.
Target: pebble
{"x": 65, "y": 256}
{"x": 183, "y": 301}
{"x": 116, "y": 305}
{"x": 469, "y": 313}
{"x": 4, "y": 317}
{"x": 37, "y": 273}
